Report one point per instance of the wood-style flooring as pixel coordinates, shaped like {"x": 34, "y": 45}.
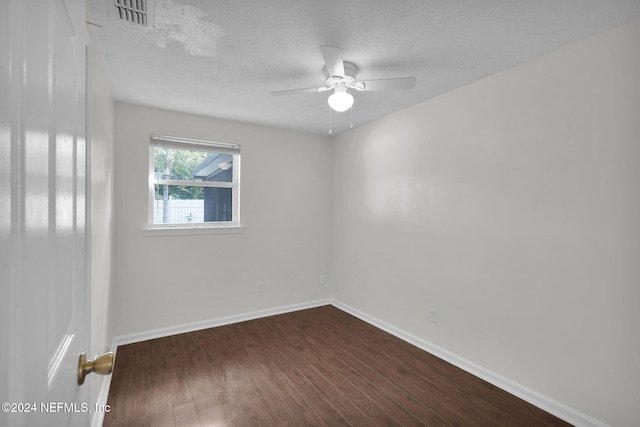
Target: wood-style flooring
{"x": 316, "y": 367}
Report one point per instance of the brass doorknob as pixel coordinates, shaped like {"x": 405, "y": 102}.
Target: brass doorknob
{"x": 103, "y": 365}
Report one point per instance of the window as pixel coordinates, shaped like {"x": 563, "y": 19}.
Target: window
{"x": 193, "y": 185}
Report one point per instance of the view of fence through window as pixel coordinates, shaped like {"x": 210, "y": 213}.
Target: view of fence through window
{"x": 179, "y": 211}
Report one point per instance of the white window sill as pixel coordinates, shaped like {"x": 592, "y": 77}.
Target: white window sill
{"x": 192, "y": 230}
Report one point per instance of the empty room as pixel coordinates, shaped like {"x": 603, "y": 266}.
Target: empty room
{"x": 320, "y": 213}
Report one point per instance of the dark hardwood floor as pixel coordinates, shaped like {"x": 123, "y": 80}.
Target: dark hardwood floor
{"x": 316, "y": 367}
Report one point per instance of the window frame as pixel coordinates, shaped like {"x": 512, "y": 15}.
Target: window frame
{"x": 212, "y": 227}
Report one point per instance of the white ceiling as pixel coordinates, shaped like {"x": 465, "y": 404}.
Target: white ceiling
{"x": 223, "y": 58}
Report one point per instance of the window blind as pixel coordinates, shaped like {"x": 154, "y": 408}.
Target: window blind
{"x": 194, "y": 144}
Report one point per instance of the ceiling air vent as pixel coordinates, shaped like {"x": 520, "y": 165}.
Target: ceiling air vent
{"x": 134, "y": 11}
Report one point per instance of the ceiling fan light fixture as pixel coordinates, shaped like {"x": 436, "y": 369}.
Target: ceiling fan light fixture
{"x": 340, "y": 100}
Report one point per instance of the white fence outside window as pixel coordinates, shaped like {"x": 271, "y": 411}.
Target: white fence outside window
{"x": 180, "y": 211}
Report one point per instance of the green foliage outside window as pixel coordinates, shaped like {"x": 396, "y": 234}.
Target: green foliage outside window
{"x": 169, "y": 163}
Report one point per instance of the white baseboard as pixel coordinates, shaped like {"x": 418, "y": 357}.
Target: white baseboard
{"x": 545, "y": 403}
{"x": 212, "y": 323}
{"x": 98, "y": 417}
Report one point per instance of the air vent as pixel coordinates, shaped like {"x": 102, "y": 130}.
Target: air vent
{"x": 134, "y": 11}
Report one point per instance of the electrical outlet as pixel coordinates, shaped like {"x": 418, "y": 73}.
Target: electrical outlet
{"x": 260, "y": 287}
{"x": 322, "y": 279}
{"x": 433, "y": 315}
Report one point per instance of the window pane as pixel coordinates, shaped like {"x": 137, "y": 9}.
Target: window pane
{"x": 191, "y": 165}
{"x": 178, "y": 204}
{"x": 217, "y": 204}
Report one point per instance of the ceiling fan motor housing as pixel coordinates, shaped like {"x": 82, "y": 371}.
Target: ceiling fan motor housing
{"x": 349, "y": 78}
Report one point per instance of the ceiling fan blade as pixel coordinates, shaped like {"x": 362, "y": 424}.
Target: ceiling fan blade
{"x": 296, "y": 91}
{"x": 385, "y": 84}
{"x": 333, "y": 60}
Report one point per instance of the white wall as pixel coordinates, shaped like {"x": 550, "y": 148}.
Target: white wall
{"x": 101, "y": 121}
{"x": 285, "y": 207}
{"x": 511, "y": 205}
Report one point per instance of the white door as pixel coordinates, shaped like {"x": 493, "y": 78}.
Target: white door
{"x": 43, "y": 265}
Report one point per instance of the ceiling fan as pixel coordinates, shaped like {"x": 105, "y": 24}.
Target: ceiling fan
{"x": 342, "y": 77}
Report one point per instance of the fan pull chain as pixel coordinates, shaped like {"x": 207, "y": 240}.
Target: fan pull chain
{"x": 330, "y": 126}
{"x": 351, "y": 124}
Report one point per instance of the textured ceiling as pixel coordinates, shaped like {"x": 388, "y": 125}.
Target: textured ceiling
{"x": 223, "y": 58}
